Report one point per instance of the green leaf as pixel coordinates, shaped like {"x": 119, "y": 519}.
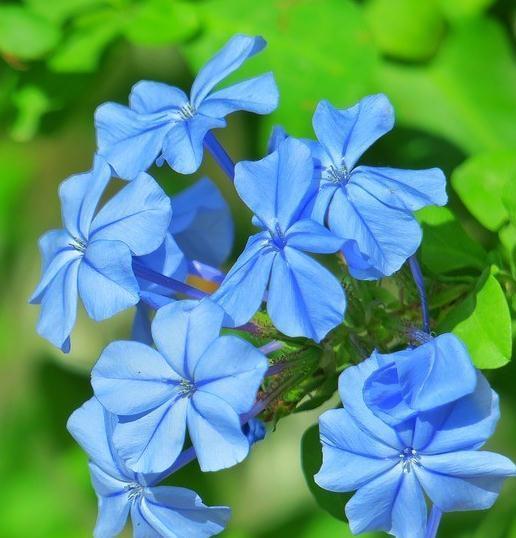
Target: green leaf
{"x": 406, "y": 29}
{"x": 507, "y": 237}
{"x": 483, "y": 322}
{"x": 316, "y": 50}
{"x": 311, "y": 461}
{"x": 460, "y": 9}
{"x": 446, "y": 246}
{"x": 158, "y": 22}
{"x": 466, "y": 94}
{"x": 25, "y": 34}
{"x": 482, "y": 182}
{"x": 32, "y": 103}
{"x": 60, "y": 10}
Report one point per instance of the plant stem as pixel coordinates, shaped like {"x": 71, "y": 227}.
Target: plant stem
{"x": 217, "y": 151}
{"x": 433, "y": 522}
{"x": 417, "y": 275}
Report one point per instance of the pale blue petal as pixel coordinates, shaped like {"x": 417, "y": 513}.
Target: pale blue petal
{"x": 51, "y": 244}
{"x": 183, "y": 145}
{"x": 104, "y": 483}
{"x": 346, "y": 134}
{"x": 409, "y": 190}
{"x": 242, "y": 291}
{"x": 215, "y": 431}
{"x": 148, "y": 97}
{"x": 80, "y": 195}
{"x": 278, "y": 135}
{"x": 131, "y": 378}
{"x": 351, "y": 457}
{"x": 278, "y": 187}
{"x": 107, "y": 284}
{"x": 469, "y": 480}
{"x": 141, "y": 328}
{"x": 152, "y": 442}
{"x": 130, "y": 142}
{"x": 304, "y": 298}
{"x": 351, "y": 383}
{"x": 462, "y": 425}
{"x": 234, "y": 53}
{"x": 184, "y": 330}
{"x": 385, "y": 235}
{"x": 180, "y": 512}
{"x": 141, "y": 527}
{"x": 59, "y": 306}
{"x": 112, "y": 515}
{"x": 202, "y": 224}
{"x": 259, "y": 95}
{"x": 311, "y": 236}
{"x": 409, "y": 509}
{"x": 358, "y": 264}
{"x": 233, "y": 370}
{"x": 255, "y": 431}
{"x": 138, "y": 215}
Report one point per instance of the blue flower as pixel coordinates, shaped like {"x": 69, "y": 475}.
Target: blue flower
{"x": 92, "y": 256}
{"x": 155, "y": 510}
{"x": 162, "y": 122}
{"x": 436, "y": 452}
{"x": 370, "y": 208}
{"x": 398, "y": 391}
{"x": 196, "y": 379}
{"x": 304, "y": 298}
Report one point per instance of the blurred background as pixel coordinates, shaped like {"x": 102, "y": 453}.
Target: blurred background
{"x": 448, "y": 67}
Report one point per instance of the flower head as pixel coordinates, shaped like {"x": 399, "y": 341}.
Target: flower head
{"x": 392, "y": 467}
{"x": 195, "y": 380}
{"x": 370, "y": 208}
{"x": 155, "y": 510}
{"x": 163, "y": 122}
{"x": 91, "y": 256}
{"x": 303, "y": 298}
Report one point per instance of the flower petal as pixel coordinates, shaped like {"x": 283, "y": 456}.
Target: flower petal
{"x": 130, "y": 142}
{"x": 304, "y": 298}
{"x": 234, "y": 53}
{"x": 467, "y": 480}
{"x": 112, "y": 515}
{"x": 215, "y": 431}
{"x": 184, "y": 330}
{"x": 51, "y": 244}
{"x": 180, "y": 512}
{"x": 141, "y": 527}
{"x": 80, "y": 195}
{"x": 233, "y": 370}
{"x": 409, "y": 509}
{"x": 346, "y": 134}
{"x": 278, "y": 187}
{"x": 131, "y": 378}
{"x": 310, "y": 236}
{"x": 148, "y": 97}
{"x": 259, "y": 95}
{"x": 138, "y": 215}
{"x": 242, "y": 291}
{"x": 107, "y": 284}
{"x": 152, "y": 442}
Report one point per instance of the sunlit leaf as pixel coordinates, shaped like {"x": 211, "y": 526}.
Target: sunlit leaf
{"x": 32, "y": 103}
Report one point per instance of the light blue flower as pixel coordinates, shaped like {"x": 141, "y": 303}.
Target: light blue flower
{"x": 163, "y": 122}
{"x": 303, "y": 298}
{"x": 92, "y": 256}
{"x": 370, "y": 208}
{"x": 436, "y": 453}
{"x": 155, "y": 510}
{"x": 414, "y": 380}
{"x": 196, "y": 380}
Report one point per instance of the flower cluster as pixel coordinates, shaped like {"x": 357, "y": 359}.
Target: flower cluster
{"x": 190, "y": 384}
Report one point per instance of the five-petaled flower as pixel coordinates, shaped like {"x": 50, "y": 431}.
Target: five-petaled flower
{"x": 162, "y": 122}
{"x": 369, "y": 207}
{"x": 303, "y": 298}
{"x": 392, "y": 466}
{"x": 196, "y": 379}
{"x": 92, "y": 255}
{"x": 155, "y": 510}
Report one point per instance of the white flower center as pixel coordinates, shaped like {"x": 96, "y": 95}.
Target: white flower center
{"x": 408, "y": 458}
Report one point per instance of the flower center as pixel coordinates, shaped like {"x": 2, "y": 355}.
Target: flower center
{"x": 186, "y": 112}
{"x": 339, "y": 175}
{"x": 78, "y": 244}
{"x": 186, "y": 388}
{"x": 408, "y": 458}
{"x": 135, "y": 491}
{"x": 277, "y": 240}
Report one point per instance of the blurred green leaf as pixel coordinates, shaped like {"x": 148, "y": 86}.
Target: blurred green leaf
{"x": 158, "y": 22}
{"x": 60, "y": 10}
{"x": 460, "y": 9}
{"x": 507, "y": 237}
{"x": 311, "y": 461}
{"x": 482, "y": 181}
{"x": 446, "y": 246}
{"x": 31, "y": 103}
{"x": 326, "y": 527}
{"x": 467, "y": 94}
{"x": 317, "y": 50}
{"x": 483, "y": 322}
{"x": 406, "y": 29}
{"x": 25, "y": 34}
